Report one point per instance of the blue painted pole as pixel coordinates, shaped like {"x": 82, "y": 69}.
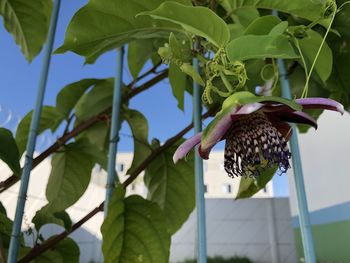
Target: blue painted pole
{"x": 304, "y": 219}
{"x": 200, "y": 202}
{"x": 114, "y": 136}
{"x": 16, "y": 230}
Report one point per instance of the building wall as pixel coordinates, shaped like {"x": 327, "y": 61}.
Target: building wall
{"x": 325, "y": 160}
{"x": 217, "y": 181}
{"x": 258, "y": 228}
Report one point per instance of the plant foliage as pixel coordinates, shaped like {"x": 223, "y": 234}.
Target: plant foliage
{"x": 237, "y": 44}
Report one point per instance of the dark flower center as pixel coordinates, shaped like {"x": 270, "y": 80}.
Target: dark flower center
{"x": 253, "y": 144}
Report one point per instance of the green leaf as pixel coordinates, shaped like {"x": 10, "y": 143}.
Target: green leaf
{"x": 47, "y": 215}
{"x": 279, "y": 29}
{"x": 68, "y": 97}
{"x": 199, "y": 21}
{"x": 98, "y": 135}
{"x": 316, "y": 89}
{"x": 65, "y": 251}
{"x": 70, "y": 176}
{"x": 50, "y": 256}
{"x": 5, "y": 230}
{"x": 256, "y": 46}
{"x": 338, "y": 82}
{"x": 309, "y": 9}
{"x": 250, "y": 186}
{"x": 101, "y": 26}
{"x": 69, "y": 250}
{"x": 309, "y": 47}
{"x": 9, "y": 151}
{"x": 134, "y": 231}
{"x": 28, "y": 22}
{"x": 97, "y": 100}
{"x": 180, "y": 50}
{"x": 139, "y": 51}
{"x": 244, "y": 16}
{"x": 139, "y": 128}
{"x": 172, "y": 187}
{"x": 236, "y": 30}
{"x": 95, "y": 154}
{"x": 2, "y": 209}
{"x": 178, "y": 84}
{"x": 189, "y": 70}
{"x": 50, "y": 118}
{"x": 262, "y": 25}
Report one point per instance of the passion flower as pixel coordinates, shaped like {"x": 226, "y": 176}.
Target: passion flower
{"x": 255, "y": 130}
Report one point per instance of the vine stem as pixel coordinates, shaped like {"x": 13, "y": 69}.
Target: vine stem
{"x": 4, "y": 185}
{"x": 302, "y": 58}
{"x": 51, "y": 242}
{"x": 306, "y": 87}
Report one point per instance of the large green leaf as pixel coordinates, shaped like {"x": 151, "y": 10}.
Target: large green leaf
{"x": 316, "y": 89}
{"x": 97, "y": 100}
{"x": 139, "y": 127}
{"x": 244, "y": 16}
{"x": 101, "y": 26}
{"x": 250, "y": 186}
{"x": 65, "y": 251}
{"x": 5, "y": 230}
{"x": 2, "y": 209}
{"x": 338, "y": 82}
{"x": 199, "y": 21}
{"x": 257, "y": 46}
{"x": 98, "y": 135}
{"x": 309, "y": 47}
{"x": 68, "y": 97}
{"x": 70, "y": 175}
{"x": 134, "y": 231}
{"x": 50, "y": 118}
{"x": 46, "y": 215}
{"x": 310, "y": 9}
{"x": 50, "y": 256}
{"x": 139, "y": 51}
{"x": 28, "y": 22}
{"x": 262, "y": 25}
{"x": 9, "y": 151}
{"x": 172, "y": 187}
{"x": 178, "y": 84}
{"x": 69, "y": 250}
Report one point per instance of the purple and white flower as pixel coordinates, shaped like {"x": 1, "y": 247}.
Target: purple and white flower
{"x": 255, "y": 130}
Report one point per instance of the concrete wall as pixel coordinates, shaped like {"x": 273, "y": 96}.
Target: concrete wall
{"x": 258, "y": 228}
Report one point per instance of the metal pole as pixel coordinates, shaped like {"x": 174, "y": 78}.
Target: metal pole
{"x": 201, "y": 228}
{"x": 114, "y": 136}
{"x": 16, "y": 230}
{"x": 304, "y": 220}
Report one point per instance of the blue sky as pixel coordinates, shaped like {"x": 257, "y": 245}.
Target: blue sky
{"x": 20, "y": 80}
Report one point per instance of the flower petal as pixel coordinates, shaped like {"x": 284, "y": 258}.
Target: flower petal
{"x": 215, "y": 131}
{"x": 296, "y": 117}
{"x": 246, "y": 109}
{"x": 205, "y": 153}
{"x": 284, "y": 128}
{"x": 321, "y": 103}
{"x": 186, "y": 146}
